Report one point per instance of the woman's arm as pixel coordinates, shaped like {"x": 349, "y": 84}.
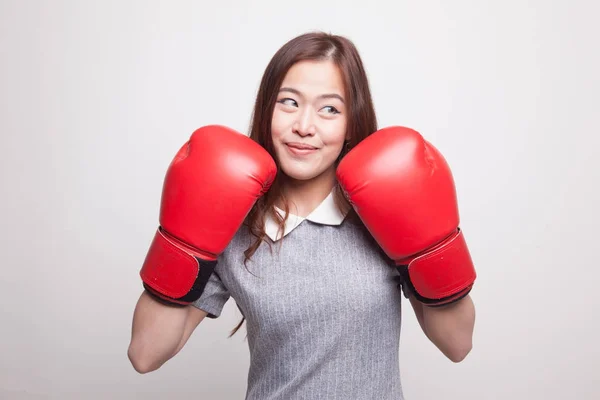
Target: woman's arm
{"x": 159, "y": 332}
{"x": 449, "y": 327}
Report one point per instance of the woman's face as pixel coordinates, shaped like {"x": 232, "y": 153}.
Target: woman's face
{"x": 309, "y": 120}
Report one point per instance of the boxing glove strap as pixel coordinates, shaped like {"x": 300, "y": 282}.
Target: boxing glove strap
{"x": 443, "y": 275}
{"x": 174, "y": 274}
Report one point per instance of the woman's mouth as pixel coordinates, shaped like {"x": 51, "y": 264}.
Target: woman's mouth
{"x": 300, "y": 149}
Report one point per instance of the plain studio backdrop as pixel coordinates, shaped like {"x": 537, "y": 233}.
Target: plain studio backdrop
{"x": 97, "y": 97}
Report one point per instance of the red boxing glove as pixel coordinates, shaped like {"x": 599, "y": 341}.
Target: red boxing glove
{"x": 209, "y": 189}
{"x": 402, "y": 189}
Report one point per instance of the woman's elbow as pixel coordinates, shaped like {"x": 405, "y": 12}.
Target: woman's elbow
{"x": 141, "y": 362}
{"x": 459, "y": 352}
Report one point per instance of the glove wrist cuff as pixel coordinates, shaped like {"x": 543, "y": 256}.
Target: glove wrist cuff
{"x": 173, "y": 273}
{"x": 443, "y": 275}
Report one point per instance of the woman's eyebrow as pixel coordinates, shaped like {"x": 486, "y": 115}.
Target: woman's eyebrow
{"x": 323, "y": 96}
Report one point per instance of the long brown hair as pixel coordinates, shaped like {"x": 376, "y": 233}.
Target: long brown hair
{"x": 361, "y": 118}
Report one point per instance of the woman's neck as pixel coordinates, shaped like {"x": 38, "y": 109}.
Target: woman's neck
{"x": 304, "y": 196}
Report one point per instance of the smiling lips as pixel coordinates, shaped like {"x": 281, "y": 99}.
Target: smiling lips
{"x": 300, "y": 148}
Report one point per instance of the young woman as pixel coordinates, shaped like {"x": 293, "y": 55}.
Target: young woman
{"x": 317, "y": 286}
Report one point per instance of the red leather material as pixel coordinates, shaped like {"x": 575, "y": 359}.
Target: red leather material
{"x": 168, "y": 269}
{"x": 403, "y": 190}
{"x": 210, "y": 187}
{"x": 445, "y": 271}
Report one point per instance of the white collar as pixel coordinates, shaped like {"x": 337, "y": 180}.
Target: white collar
{"x": 326, "y": 213}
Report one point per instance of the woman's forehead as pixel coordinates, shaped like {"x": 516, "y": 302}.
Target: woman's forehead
{"x": 314, "y": 78}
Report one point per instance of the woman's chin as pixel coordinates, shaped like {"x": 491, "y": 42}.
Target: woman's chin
{"x": 306, "y": 173}
{"x": 300, "y": 175}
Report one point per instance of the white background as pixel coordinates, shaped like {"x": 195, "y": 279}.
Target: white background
{"x": 96, "y": 98}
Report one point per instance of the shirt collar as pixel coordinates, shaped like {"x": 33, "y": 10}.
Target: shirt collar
{"x": 326, "y": 213}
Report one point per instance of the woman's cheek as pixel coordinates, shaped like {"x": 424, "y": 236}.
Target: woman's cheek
{"x": 335, "y": 134}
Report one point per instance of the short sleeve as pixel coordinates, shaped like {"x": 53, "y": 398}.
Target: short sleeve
{"x": 214, "y": 297}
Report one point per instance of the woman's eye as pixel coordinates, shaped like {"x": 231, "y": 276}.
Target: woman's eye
{"x": 331, "y": 110}
{"x": 288, "y": 102}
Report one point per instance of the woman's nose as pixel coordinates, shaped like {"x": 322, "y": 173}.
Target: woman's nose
{"x": 304, "y": 125}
